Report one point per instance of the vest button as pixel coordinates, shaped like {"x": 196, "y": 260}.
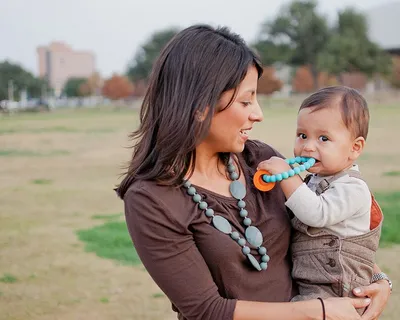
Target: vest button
{"x": 332, "y": 243}
{"x": 332, "y": 263}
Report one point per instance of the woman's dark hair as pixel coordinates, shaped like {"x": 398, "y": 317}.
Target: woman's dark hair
{"x": 188, "y": 78}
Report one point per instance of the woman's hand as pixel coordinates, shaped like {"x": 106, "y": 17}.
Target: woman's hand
{"x": 344, "y": 308}
{"x": 379, "y": 292}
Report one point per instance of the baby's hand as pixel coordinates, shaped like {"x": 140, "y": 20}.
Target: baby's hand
{"x": 274, "y": 165}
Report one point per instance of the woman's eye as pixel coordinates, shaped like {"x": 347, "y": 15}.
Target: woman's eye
{"x": 323, "y": 138}
{"x": 302, "y": 136}
{"x": 246, "y": 103}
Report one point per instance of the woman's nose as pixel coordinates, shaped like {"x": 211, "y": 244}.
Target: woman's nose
{"x": 257, "y": 113}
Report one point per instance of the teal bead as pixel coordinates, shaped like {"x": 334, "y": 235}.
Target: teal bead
{"x": 197, "y": 198}
{"x": 265, "y": 258}
{"x": 222, "y": 224}
{"x": 266, "y": 178}
{"x": 241, "y": 204}
{"x": 241, "y": 242}
{"x": 298, "y": 159}
{"x": 272, "y": 178}
{"x": 311, "y": 161}
{"x": 287, "y": 161}
{"x": 291, "y": 173}
{"x": 254, "y": 262}
{"x": 187, "y": 184}
{"x": 246, "y": 250}
{"x": 191, "y": 191}
{"x": 203, "y": 205}
{"x": 254, "y": 236}
{"x": 302, "y": 167}
{"x": 278, "y": 177}
{"x": 292, "y": 161}
{"x": 297, "y": 170}
{"x": 262, "y": 250}
{"x": 285, "y": 175}
{"x": 304, "y": 160}
{"x": 209, "y": 212}
{"x": 237, "y": 189}
{"x": 235, "y": 235}
{"x": 234, "y": 176}
{"x": 243, "y": 213}
{"x": 231, "y": 168}
{"x": 264, "y": 265}
{"x": 247, "y": 221}
{"x": 307, "y": 165}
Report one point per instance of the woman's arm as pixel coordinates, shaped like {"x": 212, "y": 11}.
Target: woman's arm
{"x": 170, "y": 255}
{"x": 335, "y": 309}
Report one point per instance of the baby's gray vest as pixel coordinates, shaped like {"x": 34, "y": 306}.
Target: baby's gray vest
{"x": 325, "y": 265}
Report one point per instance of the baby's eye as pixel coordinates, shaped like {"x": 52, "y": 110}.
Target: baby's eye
{"x": 302, "y": 136}
{"x": 323, "y": 138}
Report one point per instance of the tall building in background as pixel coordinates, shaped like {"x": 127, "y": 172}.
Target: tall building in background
{"x": 58, "y": 62}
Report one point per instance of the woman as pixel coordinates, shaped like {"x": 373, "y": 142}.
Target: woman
{"x": 214, "y": 244}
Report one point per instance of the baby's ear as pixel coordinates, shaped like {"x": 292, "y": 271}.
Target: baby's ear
{"x": 357, "y": 147}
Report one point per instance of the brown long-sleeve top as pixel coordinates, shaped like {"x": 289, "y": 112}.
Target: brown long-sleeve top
{"x": 200, "y": 269}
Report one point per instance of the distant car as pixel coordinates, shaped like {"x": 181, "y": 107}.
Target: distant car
{"x": 34, "y": 105}
{"x": 3, "y": 106}
{"x": 7, "y": 106}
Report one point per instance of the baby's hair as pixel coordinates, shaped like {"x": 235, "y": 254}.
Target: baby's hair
{"x": 353, "y": 106}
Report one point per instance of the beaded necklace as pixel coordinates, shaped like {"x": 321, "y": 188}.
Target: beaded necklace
{"x": 252, "y": 234}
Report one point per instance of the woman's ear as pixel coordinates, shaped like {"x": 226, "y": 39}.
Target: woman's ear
{"x": 357, "y": 148}
{"x": 201, "y": 115}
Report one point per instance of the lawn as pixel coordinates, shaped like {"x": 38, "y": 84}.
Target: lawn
{"x": 65, "y": 251}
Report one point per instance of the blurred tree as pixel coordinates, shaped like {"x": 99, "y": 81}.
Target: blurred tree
{"x": 72, "y": 87}
{"x": 269, "y": 83}
{"x": 270, "y": 52}
{"x": 84, "y": 89}
{"x": 139, "y": 88}
{"x": 296, "y": 36}
{"x": 15, "y": 78}
{"x": 142, "y": 63}
{"x": 92, "y": 86}
{"x": 302, "y": 81}
{"x": 395, "y": 76}
{"x": 350, "y": 50}
{"x": 117, "y": 87}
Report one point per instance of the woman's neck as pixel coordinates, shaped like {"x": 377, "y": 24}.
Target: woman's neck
{"x": 208, "y": 165}
{"x": 210, "y": 173}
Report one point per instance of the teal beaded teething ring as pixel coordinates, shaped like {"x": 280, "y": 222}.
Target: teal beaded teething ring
{"x": 264, "y": 181}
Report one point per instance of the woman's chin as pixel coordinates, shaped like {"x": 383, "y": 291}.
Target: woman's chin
{"x": 238, "y": 147}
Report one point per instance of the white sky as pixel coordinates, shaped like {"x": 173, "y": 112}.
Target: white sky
{"x": 115, "y": 29}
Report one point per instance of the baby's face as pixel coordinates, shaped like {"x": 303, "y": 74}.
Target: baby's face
{"x": 323, "y": 135}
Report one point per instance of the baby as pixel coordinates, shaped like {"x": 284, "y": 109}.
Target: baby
{"x": 336, "y": 219}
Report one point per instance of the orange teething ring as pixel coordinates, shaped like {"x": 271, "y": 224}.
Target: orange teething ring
{"x": 260, "y": 183}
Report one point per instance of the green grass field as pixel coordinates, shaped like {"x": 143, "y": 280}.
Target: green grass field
{"x": 65, "y": 250}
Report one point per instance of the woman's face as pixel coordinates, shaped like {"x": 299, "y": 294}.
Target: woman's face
{"x": 230, "y": 128}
